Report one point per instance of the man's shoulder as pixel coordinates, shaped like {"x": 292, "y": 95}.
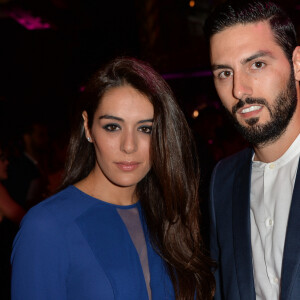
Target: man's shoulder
{"x": 225, "y": 170}
{"x": 226, "y": 174}
{"x": 233, "y": 161}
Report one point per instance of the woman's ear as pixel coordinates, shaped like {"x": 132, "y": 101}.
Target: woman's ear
{"x": 86, "y": 126}
{"x": 296, "y": 63}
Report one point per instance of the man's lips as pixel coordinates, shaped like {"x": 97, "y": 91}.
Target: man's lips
{"x": 250, "y": 111}
{"x": 127, "y": 166}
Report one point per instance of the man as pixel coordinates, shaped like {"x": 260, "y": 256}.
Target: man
{"x": 255, "y": 194}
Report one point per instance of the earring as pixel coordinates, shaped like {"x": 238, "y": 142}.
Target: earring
{"x": 89, "y": 139}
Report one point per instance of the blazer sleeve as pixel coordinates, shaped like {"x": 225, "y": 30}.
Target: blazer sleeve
{"x": 214, "y": 247}
{"x": 39, "y": 258}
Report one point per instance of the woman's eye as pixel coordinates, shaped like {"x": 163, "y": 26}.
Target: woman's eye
{"x": 258, "y": 65}
{"x": 111, "y": 127}
{"x": 225, "y": 74}
{"x": 146, "y": 129}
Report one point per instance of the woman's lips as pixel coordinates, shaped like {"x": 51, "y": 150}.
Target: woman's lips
{"x": 127, "y": 166}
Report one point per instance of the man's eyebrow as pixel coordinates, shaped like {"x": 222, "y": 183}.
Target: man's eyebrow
{"x": 256, "y": 55}
{"x": 262, "y": 53}
{"x": 215, "y": 67}
{"x": 110, "y": 117}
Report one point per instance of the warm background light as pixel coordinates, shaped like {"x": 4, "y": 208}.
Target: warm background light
{"x": 195, "y": 114}
{"x": 192, "y": 3}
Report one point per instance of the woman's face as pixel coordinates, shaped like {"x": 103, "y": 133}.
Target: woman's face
{"x": 3, "y": 166}
{"x": 121, "y": 134}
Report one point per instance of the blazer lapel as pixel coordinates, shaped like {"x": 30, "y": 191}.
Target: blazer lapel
{"x": 242, "y": 230}
{"x": 291, "y": 254}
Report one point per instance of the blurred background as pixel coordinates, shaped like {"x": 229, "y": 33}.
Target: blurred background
{"x": 48, "y": 49}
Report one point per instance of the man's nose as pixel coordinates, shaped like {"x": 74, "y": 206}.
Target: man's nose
{"x": 241, "y": 86}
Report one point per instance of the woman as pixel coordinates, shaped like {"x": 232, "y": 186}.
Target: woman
{"x": 126, "y": 224}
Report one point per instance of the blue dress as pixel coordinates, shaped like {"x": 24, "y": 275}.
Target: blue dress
{"x": 73, "y": 246}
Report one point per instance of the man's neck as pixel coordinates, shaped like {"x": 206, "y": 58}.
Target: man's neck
{"x": 271, "y": 152}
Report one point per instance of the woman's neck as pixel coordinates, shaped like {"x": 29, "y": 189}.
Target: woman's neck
{"x": 102, "y": 189}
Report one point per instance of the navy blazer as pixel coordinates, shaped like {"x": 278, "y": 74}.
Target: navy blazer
{"x": 230, "y": 237}
{"x": 73, "y": 246}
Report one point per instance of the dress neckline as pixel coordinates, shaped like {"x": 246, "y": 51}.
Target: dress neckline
{"x": 103, "y": 202}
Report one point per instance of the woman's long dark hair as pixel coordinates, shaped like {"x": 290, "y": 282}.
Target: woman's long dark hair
{"x": 169, "y": 192}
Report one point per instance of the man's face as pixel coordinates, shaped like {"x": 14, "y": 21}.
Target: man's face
{"x": 254, "y": 80}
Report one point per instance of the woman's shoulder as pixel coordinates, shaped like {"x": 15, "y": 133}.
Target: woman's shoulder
{"x": 63, "y": 207}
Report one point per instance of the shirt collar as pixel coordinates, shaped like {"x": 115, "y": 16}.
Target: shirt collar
{"x": 290, "y": 153}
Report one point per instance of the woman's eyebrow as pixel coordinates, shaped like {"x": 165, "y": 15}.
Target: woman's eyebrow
{"x": 146, "y": 121}
{"x": 109, "y": 117}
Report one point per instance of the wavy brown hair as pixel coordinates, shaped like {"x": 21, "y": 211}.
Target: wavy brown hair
{"x": 169, "y": 192}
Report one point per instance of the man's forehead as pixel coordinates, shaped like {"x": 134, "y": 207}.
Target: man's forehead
{"x": 243, "y": 40}
{"x": 260, "y": 28}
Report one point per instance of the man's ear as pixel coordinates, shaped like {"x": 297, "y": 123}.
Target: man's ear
{"x": 86, "y": 126}
{"x": 296, "y": 63}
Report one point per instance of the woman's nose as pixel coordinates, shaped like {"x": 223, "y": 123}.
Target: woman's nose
{"x": 129, "y": 142}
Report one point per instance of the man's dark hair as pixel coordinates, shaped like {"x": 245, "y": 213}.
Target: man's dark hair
{"x": 236, "y": 12}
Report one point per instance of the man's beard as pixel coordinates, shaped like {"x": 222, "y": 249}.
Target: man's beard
{"x": 280, "y": 114}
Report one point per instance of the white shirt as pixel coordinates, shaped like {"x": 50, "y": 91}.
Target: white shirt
{"x": 272, "y": 187}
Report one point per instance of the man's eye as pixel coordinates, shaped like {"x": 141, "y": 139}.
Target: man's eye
{"x": 146, "y": 129}
{"x": 111, "y": 127}
{"x": 258, "y": 65}
{"x": 225, "y": 74}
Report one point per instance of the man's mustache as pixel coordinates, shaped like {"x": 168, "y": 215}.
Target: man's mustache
{"x": 249, "y": 100}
